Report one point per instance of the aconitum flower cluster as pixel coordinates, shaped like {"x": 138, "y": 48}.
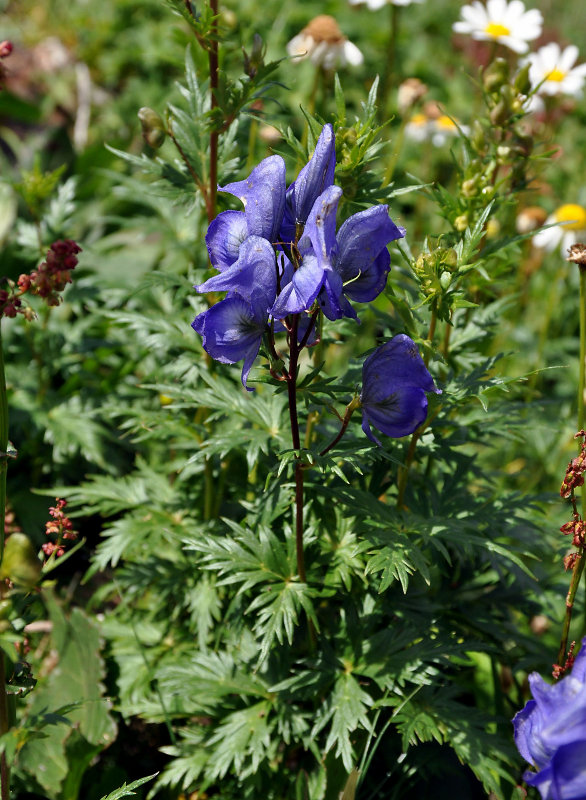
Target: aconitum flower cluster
{"x": 282, "y": 256}
{"x": 550, "y": 733}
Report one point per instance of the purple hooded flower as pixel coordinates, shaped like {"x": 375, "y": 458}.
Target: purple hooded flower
{"x": 354, "y": 264}
{"x": 254, "y": 272}
{"x": 263, "y": 197}
{"x": 232, "y": 330}
{"x": 394, "y": 382}
{"x": 550, "y": 733}
{"x": 315, "y": 177}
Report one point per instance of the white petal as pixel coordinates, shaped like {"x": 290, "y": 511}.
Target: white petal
{"x": 352, "y": 54}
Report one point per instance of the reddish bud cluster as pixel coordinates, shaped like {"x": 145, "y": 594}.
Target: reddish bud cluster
{"x": 574, "y": 476}
{"x": 50, "y": 278}
{"x": 577, "y": 527}
{"x": 54, "y": 273}
{"x": 61, "y": 527}
{"x": 558, "y": 670}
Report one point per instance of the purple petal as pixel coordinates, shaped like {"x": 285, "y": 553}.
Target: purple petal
{"x": 527, "y": 725}
{"x": 224, "y": 237}
{"x": 255, "y": 270}
{"x": 400, "y": 413}
{"x": 300, "y": 293}
{"x": 394, "y": 364}
{"x": 231, "y": 329}
{"x": 316, "y": 176}
{"x": 263, "y": 196}
{"x": 362, "y": 237}
{"x": 568, "y": 769}
{"x": 320, "y": 228}
{"x": 371, "y": 280}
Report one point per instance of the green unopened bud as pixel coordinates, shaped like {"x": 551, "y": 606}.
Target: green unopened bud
{"x": 478, "y": 138}
{"x": 445, "y": 279}
{"x": 450, "y": 259}
{"x": 153, "y": 127}
{"x": 522, "y": 83}
{"x": 461, "y": 222}
{"x": 20, "y": 563}
{"x": 469, "y": 187}
{"x": 255, "y": 60}
{"x": 500, "y": 113}
{"x": 495, "y": 75}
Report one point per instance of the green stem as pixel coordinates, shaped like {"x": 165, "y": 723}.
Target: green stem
{"x": 391, "y": 64}
{"x": 214, "y": 135}
{"x": 576, "y": 575}
{"x": 4, "y": 717}
{"x": 582, "y": 352}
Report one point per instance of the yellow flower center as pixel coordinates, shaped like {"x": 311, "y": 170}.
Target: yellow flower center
{"x": 572, "y": 214}
{"x": 495, "y": 29}
{"x": 446, "y": 123}
{"x": 418, "y": 119}
{"x": 556, "y": 75}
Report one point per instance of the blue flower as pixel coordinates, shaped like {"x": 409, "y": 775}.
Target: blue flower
{"x": 354, "y": 264}
{"x": 394, "y": 382}
{"x": 315, "y": 177}
{"x": 253, "y": 273}
{"x": 232, "y": 330}
{"x": 263, "y": 197}
{"x": 550, "y": 733}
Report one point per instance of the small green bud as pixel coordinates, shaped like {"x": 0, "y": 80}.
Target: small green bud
{"x": 461, "y": 222}
{"x": 153, "y": 127}
{"x": 522, "y": 83}
{"x": 477, "y": 137}
{"x": 500, "y": 113}
{"x": 450, "y": 259}
{"x": 20, "y": 563}
{"x": 469, "y": 187}
{"x": 255, "y": 60}
{"x": 445, "y": 279}
{"x": 495, "y": 75}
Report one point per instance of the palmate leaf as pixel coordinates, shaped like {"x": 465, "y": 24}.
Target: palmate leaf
{"x": 346, "y": 708}
{"x": 242, "y": 742}
{"x": 260, "y": 560}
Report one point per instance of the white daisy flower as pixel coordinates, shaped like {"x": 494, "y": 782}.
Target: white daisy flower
{"x": 374, "y": 5}
{"x": 553, "y": 70}
{"x": 571, "y": 228}
{"x": 499, "y": 21}
{"x": 418, "y": 128}
{"x": 431, "y": 125}
{"x": 325, "y": 45}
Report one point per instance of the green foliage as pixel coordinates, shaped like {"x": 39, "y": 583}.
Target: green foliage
{"x": 406, "y": 649}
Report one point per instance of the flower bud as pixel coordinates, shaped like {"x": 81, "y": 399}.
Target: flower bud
{"x": 5, "y": 49}
{"x": 495, "y": 75}
{"x": 461, "y": 222}
{"x": 445, "y": 280}
{"x": 20, "y": 563}
{"x": 255, "y": 60}
{"x": 522, "y": 83}
{"x": 500, "y": 113}
{"x": 153, "y": 127}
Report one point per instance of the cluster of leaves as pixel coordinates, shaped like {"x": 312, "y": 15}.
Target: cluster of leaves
{"x": 374, "y": 677}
